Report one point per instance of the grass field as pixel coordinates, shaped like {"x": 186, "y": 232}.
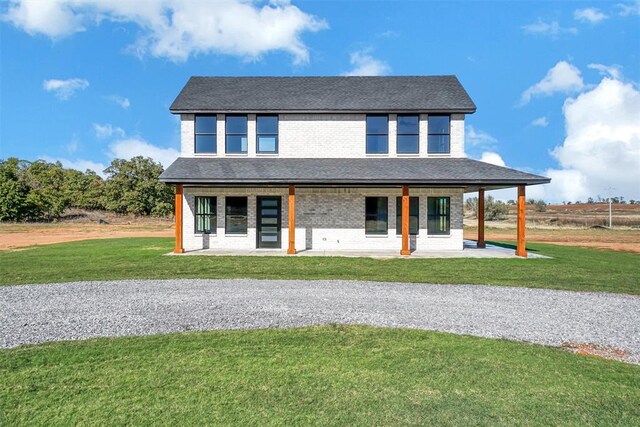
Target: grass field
{"x": 332, "y": 375}
{"x": 570, "y": 268}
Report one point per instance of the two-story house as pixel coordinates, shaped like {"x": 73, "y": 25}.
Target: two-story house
{"x": 328, "y": 163}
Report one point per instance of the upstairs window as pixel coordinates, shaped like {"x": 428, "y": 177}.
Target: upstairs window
{"x": 267, "y": 134}
{"x": 438, "y": 215}
{"x": 376, "y": 215}
{"x": 236, "y": 128}
{"x": 439, "y": 133}
{"x": 205, "y": 135}
{"x": 235, "y": 221}
{"x": 206, "y": 215}
{"x": 408, "y": 130}
{"x": 414, "y": 215}
{"x": 377, "y": 134}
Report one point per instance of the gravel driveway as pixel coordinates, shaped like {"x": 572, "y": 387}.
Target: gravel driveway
{"x": 39, "y": 313}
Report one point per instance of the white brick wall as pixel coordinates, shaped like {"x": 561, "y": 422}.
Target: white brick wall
{"x": 326, "y": 219}
{"x": 322, "y": 135}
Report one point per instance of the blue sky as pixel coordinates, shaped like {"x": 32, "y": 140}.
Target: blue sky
{"x": 556, "y": 83}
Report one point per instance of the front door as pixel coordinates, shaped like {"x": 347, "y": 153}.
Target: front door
{"x": 268, "y": 222}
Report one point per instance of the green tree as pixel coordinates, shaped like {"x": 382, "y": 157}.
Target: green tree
{"x": 84, "y": 190}
{"x": 13, "y": 191}
{"x": 493, "y": 209}
{"x": 46, "y": 189}
{"x": 132, "y": 186}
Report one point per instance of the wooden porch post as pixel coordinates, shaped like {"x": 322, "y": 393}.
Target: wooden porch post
{"x": 292, "y": 220}
{"x": 178, "y": 248}
{"x": 481, "y": 243}
{"x": 405, "y": 221}
{"x": 521, "y": 244}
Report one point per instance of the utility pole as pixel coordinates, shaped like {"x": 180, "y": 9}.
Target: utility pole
{"x": 610, "y": 189}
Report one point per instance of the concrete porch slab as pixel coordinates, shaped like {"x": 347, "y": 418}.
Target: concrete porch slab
{"x": 469, "y": 251}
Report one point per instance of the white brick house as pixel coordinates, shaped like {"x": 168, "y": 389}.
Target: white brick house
{"x": 327, "y": 163}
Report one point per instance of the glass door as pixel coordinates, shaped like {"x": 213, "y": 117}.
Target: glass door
{"x": 268, "y": 222}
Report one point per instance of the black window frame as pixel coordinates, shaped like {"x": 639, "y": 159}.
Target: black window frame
{"x": 213, "y": 215}
{"x": 227, "y": 133}
{"x": 414, "y": 202}
{"x": 431, "y": 133}
{"x": 258, "y": 134}
{"x": 227, "y": 214}
{"x": 196, "y": 134}
{"x": 368, "y": 133}
{"x": 434, "y": 215}
{"x": 367, "y": 214}
{"x": 416, "y": 134}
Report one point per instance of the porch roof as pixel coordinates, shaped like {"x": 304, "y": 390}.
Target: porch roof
{"x": 433, "y": 172}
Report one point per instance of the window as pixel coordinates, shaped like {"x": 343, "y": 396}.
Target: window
{"x": 438, "y": 215}
{"x": 408, "y": 134}
{"x": 235, "y": 221}
{"x": 439, "y": 130}
{"x": 414, "y": 209}
{"x": 376, "y": 215}
{"x": 377, "y": 134}
{"x": 205, "y": 136}
{"x": 267, "y": 134}
{"x": 206, "y": 218}
{"x": 236, "y": 128}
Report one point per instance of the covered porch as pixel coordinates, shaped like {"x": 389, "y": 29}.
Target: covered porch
{"x": 328, "y": 201}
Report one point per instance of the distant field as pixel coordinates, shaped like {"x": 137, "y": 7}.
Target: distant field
{"x": 82, "y": 225}
{"x": 580, "y": 215}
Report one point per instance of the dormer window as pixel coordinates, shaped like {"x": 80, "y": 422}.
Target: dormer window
{"x": 236, "y": 138}
{"x": 439, "y": 134}
{"x": 408, "y": 130}
{"x": 205, "y": 134}
{"x": 377, "y": 134}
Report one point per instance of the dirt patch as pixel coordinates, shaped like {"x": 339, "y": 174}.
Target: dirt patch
{"x": 626, "y": 240}
{"x": 13, "y": 236}
{"x": 604, "y": 351}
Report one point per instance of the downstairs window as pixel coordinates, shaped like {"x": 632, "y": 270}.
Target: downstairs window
{"x": 206, "y": 217}
{"x": 438, "y": 215}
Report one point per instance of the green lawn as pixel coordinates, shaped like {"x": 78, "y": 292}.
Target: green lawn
{"x": 313, "y": 376}
{"x": 570, "y": 268}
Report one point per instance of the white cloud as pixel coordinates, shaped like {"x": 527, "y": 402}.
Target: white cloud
{"x": 476, "y": 137}
{"x": 542, "y": 122}
{"x": 65, "y": 89}
{"x": 627, "y": 9}
{"x": 493, "y": 158}
{"x": 120, "y": 100}
{"x": 107, "y": 130}
{"x": 562, "y": 77}
{"x": 177, "y": 29}
{"x": 613, "y": 71}
{"x": 78, "y": 164}
{"x": 590, "y": 15}
{"x": 551, "y": 29}
{"x": 602, "y": 146}
{"x": 366, "y": 65}
{"x": 135, "y": 146}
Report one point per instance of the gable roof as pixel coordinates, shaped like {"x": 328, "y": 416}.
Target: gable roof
{"x": 323, "y": 94}
{"x": 446, "y": 172}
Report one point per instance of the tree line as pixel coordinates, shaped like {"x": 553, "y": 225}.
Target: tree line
{"x": 42, "y": 190}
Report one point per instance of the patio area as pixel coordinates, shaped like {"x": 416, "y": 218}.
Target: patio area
{"x": 470, "y": 250}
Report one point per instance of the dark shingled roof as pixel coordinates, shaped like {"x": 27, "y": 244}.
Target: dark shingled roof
{"x": 449, "y": 172}
{"x": 323, "y": 94}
